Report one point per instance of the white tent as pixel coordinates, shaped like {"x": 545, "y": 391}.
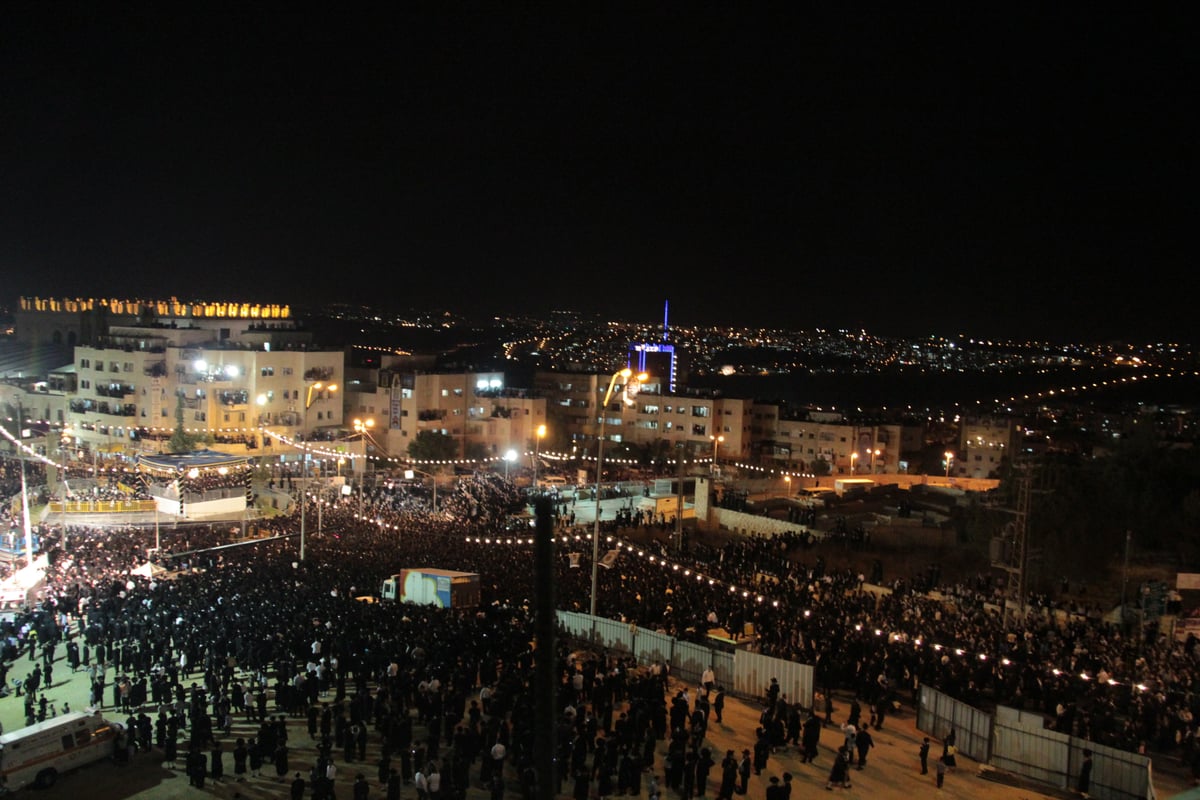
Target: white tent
{"x": 148, "y": 570}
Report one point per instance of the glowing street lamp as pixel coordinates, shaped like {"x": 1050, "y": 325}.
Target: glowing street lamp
{"x": 853, "y": 458}
{"x": 509, "y": 457}
{"x": 716, "y": 440}
{"x": 787, "y": 481}
{"x": 633, "y": 383}
{"x": 540, "y": 434}
{"x": 949, "y": 458}
{"x": 874, "y": 454}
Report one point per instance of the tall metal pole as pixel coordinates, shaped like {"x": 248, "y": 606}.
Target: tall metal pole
{"x": 1125, "y": 574}
{"x": 679, "y": 507}
{"x": 24, "y": 489}
{"x": 303, "y": 475}
{"x": 596, "y": 526}
{"x": 546, "y": 656}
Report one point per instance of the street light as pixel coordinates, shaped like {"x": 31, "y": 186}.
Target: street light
{"x": 408, "y": 476}
{"x": 716, "y": 440}
{"x": 949, "y": 458}
{"x": 787, "y": 479}
{"x": 510, "y": 456}
{"x": 874, "y": 454}
{"x": 631, "y": 389}
{"x": 539, "y": 434}
{"x": 853, "y": 458}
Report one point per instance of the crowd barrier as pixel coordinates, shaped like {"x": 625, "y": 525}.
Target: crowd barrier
{"x": 743, "y": 673}
{"x": 100, "y": 506}
{"x": 1017, "y": 742}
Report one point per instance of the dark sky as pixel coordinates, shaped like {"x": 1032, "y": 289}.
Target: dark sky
{"x": 997, "y": 173}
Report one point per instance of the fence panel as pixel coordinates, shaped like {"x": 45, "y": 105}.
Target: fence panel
{"x": 614, "y": 635}
{"x": 753, "y": 673}
{"x": 575, "y": 624}
{"x": 723, "y": 667}
{"x": 939, "y": 713}
{"x": 651, "y": 646}
{"x": 1041, "y": 755}
{"x": 1116, "y": 774}
{"x": 690, "y": 660}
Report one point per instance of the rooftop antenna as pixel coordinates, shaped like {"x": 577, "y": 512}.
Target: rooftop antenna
{"x": 666, "y": 308}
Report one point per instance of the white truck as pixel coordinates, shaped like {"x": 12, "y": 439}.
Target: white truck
{"x": 37, "y": 755}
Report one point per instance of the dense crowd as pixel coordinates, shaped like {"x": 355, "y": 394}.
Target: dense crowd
{"x": 223, "y": 618}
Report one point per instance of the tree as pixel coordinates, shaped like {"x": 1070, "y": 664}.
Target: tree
{"x": 821, "y": 467}
{"x": 475, "y": 451}
{"x": 432, "y": 446}
{"x": 181, "y": 441}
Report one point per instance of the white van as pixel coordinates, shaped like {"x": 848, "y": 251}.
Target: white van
{"x": 553, "y": 482}
{"x": 37, "y": 755}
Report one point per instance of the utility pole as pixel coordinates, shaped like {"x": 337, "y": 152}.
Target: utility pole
{"x": 1125, "y": 574}
{"x": 24, "y": 489}
{"x": 679, "y": 507}
{"x": 546, "y": 655}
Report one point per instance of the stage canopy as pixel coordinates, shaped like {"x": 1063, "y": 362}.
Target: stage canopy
{"x": 184, "y": 462}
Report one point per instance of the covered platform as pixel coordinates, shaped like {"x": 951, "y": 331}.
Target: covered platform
{"x": 200, "y": 484}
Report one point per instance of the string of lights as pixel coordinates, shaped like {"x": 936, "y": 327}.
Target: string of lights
{"x": 716, "y": 584}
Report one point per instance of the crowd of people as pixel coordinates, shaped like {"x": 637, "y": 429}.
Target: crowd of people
{"x": 238, "y": 622}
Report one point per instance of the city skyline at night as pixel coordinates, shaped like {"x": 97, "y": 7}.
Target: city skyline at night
{"x": 995, "y": 174}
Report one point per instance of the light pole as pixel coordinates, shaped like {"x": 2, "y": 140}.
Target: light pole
{"x": 874, "y": 455}
{"x": 539, "y": 434}
{"x": 853, "y": 458}
{"x": 716, "y": 440}
{"x": 787, "y": 481}
{"x": 308, "y": 401}
{"x": 510, "y": 456}
{"x": 408, "y": 476}
{"x": 629, "y": 390}
{"x": 949, "y": 458}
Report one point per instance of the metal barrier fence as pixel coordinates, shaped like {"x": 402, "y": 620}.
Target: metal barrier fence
{"x": 745, "y": 674}
{"x": 938, "y": 714}
{"x": 100, "y": 506}
{"x": 1024, "y": 746}
{"x": 753, "y": 673}
{"x": 1017, "y": 742}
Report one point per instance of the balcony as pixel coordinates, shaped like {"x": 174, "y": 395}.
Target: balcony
{"x": 233, "y": 397}
{"x": 114, "y": 390}
{"x": 318, "y": 374}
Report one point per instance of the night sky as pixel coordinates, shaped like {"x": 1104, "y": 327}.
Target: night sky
{"x": 1001, "y": 174}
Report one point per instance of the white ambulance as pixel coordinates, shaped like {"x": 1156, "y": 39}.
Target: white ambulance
{"x": 37, "y": 755}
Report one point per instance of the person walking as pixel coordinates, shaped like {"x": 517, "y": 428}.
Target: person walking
{"x": 1085, "y": 774}
{"x": 940, "y": 768}
{"x": 839, "y": 773}
{"x": 863, "y": 742}
{"x": 924, "y": 754}
{"x": 729, "y": 776}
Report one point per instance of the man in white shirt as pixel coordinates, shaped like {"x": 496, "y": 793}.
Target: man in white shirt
{"x": 708, "y": 679}
{"x": 434, "y": 780}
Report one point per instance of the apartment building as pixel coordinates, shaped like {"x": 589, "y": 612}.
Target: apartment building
{"x": 983, "y": 442}
{"x": 796, "y": 442}
{"x": 478, "y": 410}
{"x": 129, "y": 383}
